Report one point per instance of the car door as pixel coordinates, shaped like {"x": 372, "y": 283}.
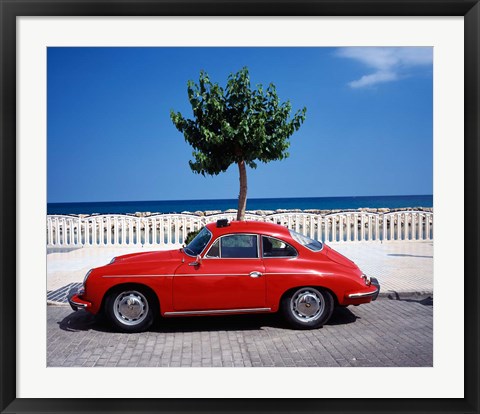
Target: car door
{"x": 228, "y": 277}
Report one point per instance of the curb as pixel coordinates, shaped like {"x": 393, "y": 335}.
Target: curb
{"x": 398, "y": 295}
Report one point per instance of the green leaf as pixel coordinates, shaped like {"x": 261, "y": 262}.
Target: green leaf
{"x": 235, "y": 123}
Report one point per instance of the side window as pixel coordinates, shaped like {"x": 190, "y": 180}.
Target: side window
{"x": 277, "y": 248}
{"x": 214, "y": 250}
{"x": 239, "y": 246}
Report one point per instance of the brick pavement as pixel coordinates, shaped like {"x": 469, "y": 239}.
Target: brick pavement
{"x": 385, "y": 333}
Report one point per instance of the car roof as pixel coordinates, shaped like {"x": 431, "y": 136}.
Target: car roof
{"x": 256, "y": 227}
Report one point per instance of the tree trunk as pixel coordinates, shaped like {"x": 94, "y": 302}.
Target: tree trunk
{"x": 242, "y": 196}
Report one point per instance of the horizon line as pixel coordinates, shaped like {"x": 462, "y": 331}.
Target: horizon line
{"x": 230, "y": 199}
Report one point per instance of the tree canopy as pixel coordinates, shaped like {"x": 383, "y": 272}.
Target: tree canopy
{"x": 236, "y": 125}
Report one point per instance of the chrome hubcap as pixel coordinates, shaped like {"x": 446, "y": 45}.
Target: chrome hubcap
{"x": 307, "y": 304}
{"x": 130, "y": 308}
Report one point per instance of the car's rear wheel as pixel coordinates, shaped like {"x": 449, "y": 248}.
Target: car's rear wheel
{"x": 130, "y": 309}
{"x": 307, "y": 307}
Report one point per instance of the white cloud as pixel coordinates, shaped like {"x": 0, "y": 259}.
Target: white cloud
{"x": 389, "y": 63}
{"x": 377, "y": 77}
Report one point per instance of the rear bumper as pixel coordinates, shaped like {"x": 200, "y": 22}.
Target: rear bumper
{"x": 374, "y": 282}
{"x": 76, "y": 302}
{"x": 366, "y": 295}
{"x": 372, "y": 293}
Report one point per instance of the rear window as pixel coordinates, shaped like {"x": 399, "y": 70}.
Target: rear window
{"x": 277, "y": 248}
{"x": 313, "y": 245}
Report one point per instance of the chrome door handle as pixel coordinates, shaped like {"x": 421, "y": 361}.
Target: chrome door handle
{"x": 255, "y": 274}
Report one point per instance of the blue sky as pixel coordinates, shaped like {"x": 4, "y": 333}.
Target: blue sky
{"x": 368, "y": 130}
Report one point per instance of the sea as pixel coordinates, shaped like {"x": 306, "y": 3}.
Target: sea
{"x": 301, "y": 203}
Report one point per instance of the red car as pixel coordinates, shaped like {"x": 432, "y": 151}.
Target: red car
{"x": 228, "y": 268}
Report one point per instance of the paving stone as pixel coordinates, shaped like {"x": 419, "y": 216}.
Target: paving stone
{"x": 384, "y": 333}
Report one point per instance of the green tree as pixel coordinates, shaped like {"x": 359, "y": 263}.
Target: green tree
{"x": 236, "y": 125}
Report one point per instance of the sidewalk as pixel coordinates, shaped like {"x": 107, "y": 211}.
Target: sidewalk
{"x": 403, "y": 269}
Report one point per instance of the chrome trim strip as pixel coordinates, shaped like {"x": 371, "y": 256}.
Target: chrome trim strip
{"x": 120, "y": 276}
{"x": 299, "y": 273}
{"x": 211, "y": 274}
{"x": 361, "y": 295}
{"x": 219, "y": 274}
{"x": 180, "y": 275}
{"x": 206, "y": 312}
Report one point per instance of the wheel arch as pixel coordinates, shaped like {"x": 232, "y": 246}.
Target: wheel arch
{"x": 132, "y": 285}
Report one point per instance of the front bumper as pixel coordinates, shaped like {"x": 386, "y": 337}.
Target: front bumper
{"x": 76, "y": 302}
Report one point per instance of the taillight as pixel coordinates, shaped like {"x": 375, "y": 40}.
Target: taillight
{"x": 366, "y": 279}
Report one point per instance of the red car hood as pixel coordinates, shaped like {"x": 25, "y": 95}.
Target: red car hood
{"x": 148, "y": 256}
{"x": 339, "y": 258}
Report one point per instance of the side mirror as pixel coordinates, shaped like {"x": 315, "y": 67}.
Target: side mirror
{"x": 197, "y": 262}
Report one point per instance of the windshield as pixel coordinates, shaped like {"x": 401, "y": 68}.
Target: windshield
{"x": 196, "y": 246}
{"x": 309, "y": 243}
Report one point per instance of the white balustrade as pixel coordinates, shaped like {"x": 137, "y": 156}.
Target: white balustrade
{"x": 164, "y": 230}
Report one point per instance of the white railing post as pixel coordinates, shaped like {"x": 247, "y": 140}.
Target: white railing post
{"x": 354, "y": 230}
{"x": 146, "y": 225}
{"x": 362, "y": 229}
{"x": 139, "y": 231}
{"x": 349, "y": 228}
{"x": 392, "y": 227}
{"x": 370, "y": 229}
{"x": 49, "y": 232}
{"x": 169, "y": 230}
{"x": 340, "y": 228}
{"x": 420, "y": 226}
{"x": 333, "y": 230}
{"x": 93, "y": 231}
{"x": 162, "y": 233}
{"x": 79, "y": 231}
{"x": 154, "y": 231}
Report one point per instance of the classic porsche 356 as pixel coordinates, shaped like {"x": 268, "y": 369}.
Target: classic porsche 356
{"x": 233, "y": 267}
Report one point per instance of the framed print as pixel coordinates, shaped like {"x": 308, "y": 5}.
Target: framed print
{"x": 37, "y": 38}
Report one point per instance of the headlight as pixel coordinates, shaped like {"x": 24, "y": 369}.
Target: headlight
{"x": 86, "y": 276}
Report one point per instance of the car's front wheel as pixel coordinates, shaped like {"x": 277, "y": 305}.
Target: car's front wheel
{"x": 130, "y": 309}
{"x": 307, "y": 307}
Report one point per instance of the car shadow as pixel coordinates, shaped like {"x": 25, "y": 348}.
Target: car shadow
{"x": 84, "y": 321}
{"x": 342, "y": 316}
{"x": 218, "y": 323}
{"x": 79, "y": 321}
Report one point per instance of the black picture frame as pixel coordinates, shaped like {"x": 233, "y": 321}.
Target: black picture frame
{"x": 10, "y": 9}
